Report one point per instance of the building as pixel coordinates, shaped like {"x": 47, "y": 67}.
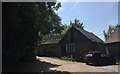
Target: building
{"x": 113, "y": 44}
{"x": 75, "y": 42}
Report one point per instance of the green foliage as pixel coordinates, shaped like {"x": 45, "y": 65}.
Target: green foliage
{"x": 19, "y": 35}
{"x": 117, "y": 26}
{"x": 65, "y": 28}
{"x": 58, "y": 6}
{"x": 51, "y": 23}
{"x": 67, "y": 58}
{"x": 23, "y": 24}
{"x": 110, "y": 30}
{"x": 77, "y": 23}
{"x": 118, "y": 61}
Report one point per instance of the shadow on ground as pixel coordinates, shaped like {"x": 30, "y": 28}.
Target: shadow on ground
{"x": 48, "y": 72}
{"x": 100, "y": 65}
{"x": 37, "y": 67}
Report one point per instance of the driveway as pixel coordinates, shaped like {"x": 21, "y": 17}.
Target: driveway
{"x": 76, "y": 66}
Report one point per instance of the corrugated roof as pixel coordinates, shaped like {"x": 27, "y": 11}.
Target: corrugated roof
{"x": 89, "y": 35}
{"x": 115, "y": 36}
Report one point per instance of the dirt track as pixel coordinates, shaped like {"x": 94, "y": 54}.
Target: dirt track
{"x": 76, "y": 66}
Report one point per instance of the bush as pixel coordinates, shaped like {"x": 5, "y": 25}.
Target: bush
{"x": 67, "y": 58}
{"x": 118, "y": 61}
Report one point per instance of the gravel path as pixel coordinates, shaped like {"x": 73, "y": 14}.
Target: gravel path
{"x": 76, "y": 66}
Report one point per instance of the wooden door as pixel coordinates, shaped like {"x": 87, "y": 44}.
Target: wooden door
{"x": 63, "y": 50}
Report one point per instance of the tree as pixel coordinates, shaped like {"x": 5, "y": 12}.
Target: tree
{"x": 23, "y": 25}
{"x": 51, "y": 22}
{"x": 17, "y": 32}
{"x": 65, "y": 28}
{"x": 77, "y": 23}
{"x": 110, "y": 30}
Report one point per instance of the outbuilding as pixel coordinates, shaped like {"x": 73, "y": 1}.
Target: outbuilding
{"x": 113, "y": 44}
{"x": 75, "y": 42}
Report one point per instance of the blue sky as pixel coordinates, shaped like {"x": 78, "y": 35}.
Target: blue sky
{"x": 96, "y": 16}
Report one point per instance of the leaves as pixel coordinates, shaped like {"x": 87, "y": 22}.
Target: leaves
{"x": 58, "y": 6}
{"x": 23, "y": 26}
{"x": 77, "y": 23}
{"x": 51, "y": 24}
{"x": 110, "y": 30}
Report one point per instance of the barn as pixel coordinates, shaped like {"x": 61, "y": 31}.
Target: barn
{"x": 75, "y": 42}
{"x": 113, "y": 44}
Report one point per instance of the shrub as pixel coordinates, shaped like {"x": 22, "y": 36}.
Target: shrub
{"x": 67, "y": 58}
{"x": 118, "y": 61}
